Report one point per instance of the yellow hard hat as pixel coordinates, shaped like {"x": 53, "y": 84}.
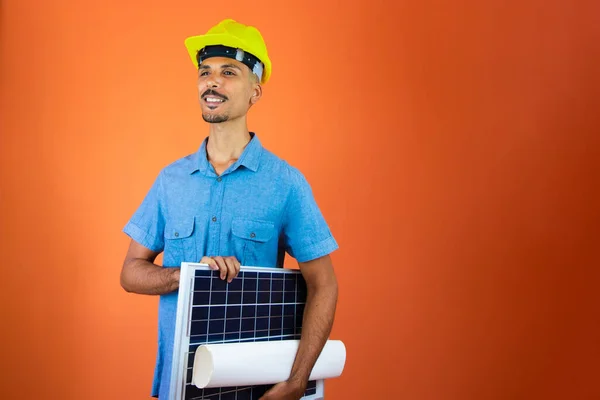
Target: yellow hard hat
{"x": 230, "y": 38}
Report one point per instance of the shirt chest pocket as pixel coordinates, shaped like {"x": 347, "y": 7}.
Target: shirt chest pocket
{"x": 180, "y": 242}
{"x": 254, "y": 242}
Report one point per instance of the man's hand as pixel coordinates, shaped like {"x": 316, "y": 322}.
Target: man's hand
{"x": 229, "y": 266}
{"x": 288, "y": 390}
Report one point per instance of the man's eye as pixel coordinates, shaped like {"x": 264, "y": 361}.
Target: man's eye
{"x": 229, "y": 73}
{"x": 203, "y": 73}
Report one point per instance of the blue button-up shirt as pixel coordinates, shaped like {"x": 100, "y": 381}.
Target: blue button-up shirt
{"x": 257, "y": 210}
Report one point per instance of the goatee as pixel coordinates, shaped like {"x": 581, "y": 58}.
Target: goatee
{"x": 215, "y": 119}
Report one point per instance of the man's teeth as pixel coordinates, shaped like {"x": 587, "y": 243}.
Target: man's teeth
{"x": 213, "y": 100}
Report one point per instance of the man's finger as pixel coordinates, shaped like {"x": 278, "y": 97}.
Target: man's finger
{"x": 222, "y": 266}
{"x": 231, "y": 269}
{"x": 211, "y": 263}
{"x": 237, "y": 266}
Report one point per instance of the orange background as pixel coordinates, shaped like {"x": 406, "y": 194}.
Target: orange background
{"x": 452, "y": 146}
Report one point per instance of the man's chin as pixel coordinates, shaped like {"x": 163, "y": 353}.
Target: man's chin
{"x": 215, "y": 118}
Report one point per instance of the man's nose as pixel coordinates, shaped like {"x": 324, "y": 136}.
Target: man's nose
{"x": 213, "y": 82}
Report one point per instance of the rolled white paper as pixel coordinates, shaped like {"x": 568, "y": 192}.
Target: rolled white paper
{"x": 260, "y": 363}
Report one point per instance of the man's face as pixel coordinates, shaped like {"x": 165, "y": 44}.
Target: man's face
{"x": 226, "y": 89}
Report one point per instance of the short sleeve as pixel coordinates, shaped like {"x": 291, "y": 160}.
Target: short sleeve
{"x": 147, "y": 224}
{"x": 306, "y": 233}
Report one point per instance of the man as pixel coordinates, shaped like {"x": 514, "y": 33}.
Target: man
{"x": 231, "y": 203}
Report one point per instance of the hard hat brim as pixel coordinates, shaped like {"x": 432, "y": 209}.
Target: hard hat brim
{"x": 194, "y": 43}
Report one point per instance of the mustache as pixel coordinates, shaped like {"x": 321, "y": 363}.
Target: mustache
{"x": 211, "y": 92}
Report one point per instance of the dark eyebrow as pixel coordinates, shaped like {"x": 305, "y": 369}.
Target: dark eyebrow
{"x": 230, "y": 66}
{"x": 204, "y": 66}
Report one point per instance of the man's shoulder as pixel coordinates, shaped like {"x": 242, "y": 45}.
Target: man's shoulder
{"x": 181, "y": 166}
{"x": 281, "y": 167}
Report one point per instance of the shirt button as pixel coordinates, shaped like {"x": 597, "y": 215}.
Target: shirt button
{"x": 219, "y": 179}
{"x": 176, "y": 234}
{"x": 214, "y": 219}
{"x": 253, "y": 235}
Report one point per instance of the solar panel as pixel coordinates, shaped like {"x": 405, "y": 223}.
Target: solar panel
{"x": 260, "y": 304}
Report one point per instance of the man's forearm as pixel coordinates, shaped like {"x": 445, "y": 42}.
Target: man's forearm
{"x": 316, "y": 326}
{"x": 143, "y": 277}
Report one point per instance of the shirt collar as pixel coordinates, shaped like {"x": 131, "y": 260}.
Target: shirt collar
{"x": 250, "y": 157}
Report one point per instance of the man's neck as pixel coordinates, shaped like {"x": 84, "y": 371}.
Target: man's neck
{"x": 226, "y": 143}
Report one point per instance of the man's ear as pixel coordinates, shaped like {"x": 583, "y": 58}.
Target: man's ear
{"x": 256, "y": 94}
